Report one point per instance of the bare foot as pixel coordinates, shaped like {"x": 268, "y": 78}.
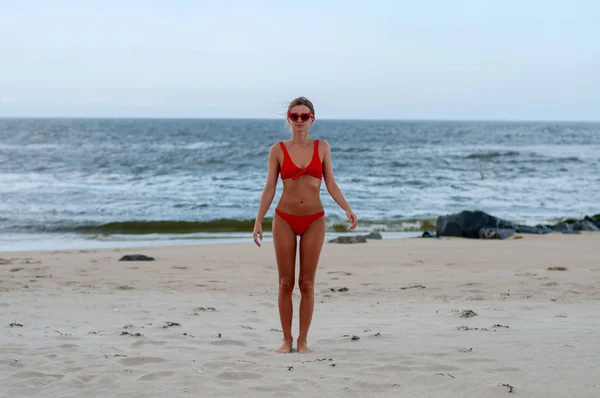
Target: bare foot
{"x": 302, "y": 347}
{"x": 286, "y": 347}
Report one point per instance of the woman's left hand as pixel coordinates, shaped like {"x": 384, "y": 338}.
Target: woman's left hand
{"x": 352, "y": 218}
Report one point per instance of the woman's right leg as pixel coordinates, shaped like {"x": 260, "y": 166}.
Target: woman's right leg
{"x": 284, "y": 240}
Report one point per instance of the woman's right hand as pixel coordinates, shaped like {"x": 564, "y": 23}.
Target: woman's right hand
{"x": 258, "y": 233}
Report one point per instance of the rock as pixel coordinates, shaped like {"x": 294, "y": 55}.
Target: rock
{"x": 585, "y": 225}
{"x": 428, "y": 234}
{"x": 373, "y": 235}
{"x": 594, "y": 221}
{"x": 349, "y": 239}
{"x": 563, "y": 227}
{"x": 493, "y": 233}
{"x": 356, "y": 239}
{"x": 468, "y": 223}
{"x": 136, "y": 257}
{"x": 538, "y": 229}
{"x": 544, "y": 227}
{"x": 468, "y": 314}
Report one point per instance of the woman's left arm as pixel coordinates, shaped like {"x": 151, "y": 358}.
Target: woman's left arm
{"x": 332, "y": 187}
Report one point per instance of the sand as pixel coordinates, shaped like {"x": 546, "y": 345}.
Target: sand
{"x": 397, "y": 317}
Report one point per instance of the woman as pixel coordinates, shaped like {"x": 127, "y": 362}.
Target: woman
{"x": 302, "y": 163}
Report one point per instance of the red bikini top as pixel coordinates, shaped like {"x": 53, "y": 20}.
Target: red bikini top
{"x": 290, "y": 170}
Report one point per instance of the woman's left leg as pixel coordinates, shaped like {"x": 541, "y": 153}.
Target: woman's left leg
{"x": 311, "y": 243}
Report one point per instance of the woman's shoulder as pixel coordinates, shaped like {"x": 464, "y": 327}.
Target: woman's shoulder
{"x": 276, "y": 148}
{"x": 324, "y": 144}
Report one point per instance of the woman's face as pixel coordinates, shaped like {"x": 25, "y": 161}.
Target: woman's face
{"x": 300, "y": 118}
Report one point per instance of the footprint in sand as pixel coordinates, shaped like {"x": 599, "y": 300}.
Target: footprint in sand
{"x": 229, "y": 343}
{"x": 580, "y": 286}
{"x": 68, "y": 347}
{"x": 136, "y": 361}
{"x": 525, "y": 274}
{"x": 141, "y": 343}
{"x": 237, "y": 376}
{"x": 550, "y": 284}
{"x": 477, "y": 360}
{"x": 86, "y": 379}
{"x": 274, "y": 390}
{"x": 472, "y": 291}
{"x": 475, "y": 298}
{"x": 438, "y": 368}
{"x": 217, "y": 365}
{"x": 11, "y": 362}
{"x": 155, "y": 376}
{"x": 390, "y": 369}
{"x": 508, "y": 369}
{"x": 73, "y": 370}
{"x": 42, "y": 378}
{"x": 256, "y": 354}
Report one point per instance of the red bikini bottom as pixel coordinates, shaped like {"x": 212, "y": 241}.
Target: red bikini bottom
{"x": 299, "y": 223}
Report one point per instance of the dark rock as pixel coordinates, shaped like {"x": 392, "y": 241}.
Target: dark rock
{"x": 493, "y": 233}
{"x": 585, "y": 225}
{"x": 538, "y": 229}
{"x": 413, "y": 287}
{"x": 563, "y": 227}
{"x": 468, "y": 314}
{"x": 428, "y": 234}
{"x": 356, "y": 239}
{"x": 373, "y": 235}
{"x": 593, "y": 221}
{"x": 467, "y": 224}
{"x": 544, "y": 227}
{"x": 349, "y": 239}
{"x": 136, "y": 257}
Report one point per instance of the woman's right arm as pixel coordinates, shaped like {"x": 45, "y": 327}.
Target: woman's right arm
{"x": 268, "y": 192}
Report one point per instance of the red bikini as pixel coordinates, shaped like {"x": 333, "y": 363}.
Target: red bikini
{"x": 289, "y": 169}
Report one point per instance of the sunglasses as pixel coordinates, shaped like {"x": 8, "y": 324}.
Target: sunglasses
{"x": 305, "y": 117}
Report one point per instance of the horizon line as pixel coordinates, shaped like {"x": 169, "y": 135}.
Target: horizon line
{"x": 317, "y": 119}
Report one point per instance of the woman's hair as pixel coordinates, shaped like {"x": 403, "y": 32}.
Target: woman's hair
{"x": 302, "y": 101}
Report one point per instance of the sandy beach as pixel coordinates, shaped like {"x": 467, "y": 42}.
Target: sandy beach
{"x": 443, "y": 317}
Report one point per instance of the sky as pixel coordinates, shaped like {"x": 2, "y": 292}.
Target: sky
{"x": 379, "y": 59}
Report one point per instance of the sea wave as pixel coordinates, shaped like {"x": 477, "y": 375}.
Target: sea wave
{"x": 492, "y": 155}
{"x": 223, "y": 225}
{"x": 519, "y": 157}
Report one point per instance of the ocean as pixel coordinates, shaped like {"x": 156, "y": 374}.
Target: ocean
{"x": 88, "y": 183}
